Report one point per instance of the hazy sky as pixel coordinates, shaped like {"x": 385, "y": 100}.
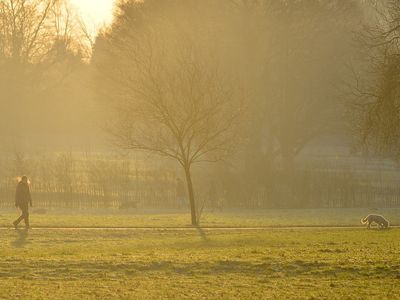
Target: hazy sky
{"x": 95, "y": 12}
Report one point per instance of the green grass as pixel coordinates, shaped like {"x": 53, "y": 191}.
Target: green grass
{"x": 231, "y": 218}
{"x": 217, "y": 264}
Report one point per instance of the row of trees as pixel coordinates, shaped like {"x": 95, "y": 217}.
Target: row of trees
{"x": 42, "y": 52}
{"x": 375, "y": 82}
{"x": 196, "y": 81}
{"x": 191, "y": 81}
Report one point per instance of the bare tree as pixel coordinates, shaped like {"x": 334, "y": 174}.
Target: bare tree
{"x": 375, "y": 105}
{"x": 169, "y": 96}
{"x": 40, "y": 47}
{"x": 31, "y": 29}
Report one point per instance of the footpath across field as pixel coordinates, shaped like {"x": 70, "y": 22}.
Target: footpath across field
{"x": 229, "y": 218}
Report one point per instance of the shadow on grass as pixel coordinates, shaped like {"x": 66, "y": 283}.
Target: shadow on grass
{"x": 78, "y": 270}
{"x": 21, "y": 240}
{"x": 202, "y": 233}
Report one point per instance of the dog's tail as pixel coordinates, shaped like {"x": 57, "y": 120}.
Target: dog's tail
{"x": 364, "y": 220}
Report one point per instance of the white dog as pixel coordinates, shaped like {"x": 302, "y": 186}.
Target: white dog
{"x": 378, "y": 219}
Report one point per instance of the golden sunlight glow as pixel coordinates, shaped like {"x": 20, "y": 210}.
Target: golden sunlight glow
{"x": 95, "y": 13}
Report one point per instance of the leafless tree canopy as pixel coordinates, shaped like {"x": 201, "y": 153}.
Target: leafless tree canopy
{"x": 41, "y": 45}
{"x": 32, "y": 31}
{"x": 375, "y": 86}
{"x": 176, "y": 105}
{"x": 169, "y": 93}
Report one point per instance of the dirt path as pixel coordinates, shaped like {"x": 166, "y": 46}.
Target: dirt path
{"x": 138, "y": 228}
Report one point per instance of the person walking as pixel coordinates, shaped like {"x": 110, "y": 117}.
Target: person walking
{"x": 22, "y": 201}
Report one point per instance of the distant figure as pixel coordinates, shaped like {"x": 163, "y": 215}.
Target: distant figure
{"x": 22, "y": 200}
{"x": 180, "y": 193}
{"x": 378, "y": 219}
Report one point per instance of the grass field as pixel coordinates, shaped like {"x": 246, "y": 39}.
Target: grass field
{"x": 230, "y": 218}
{"x": 190, "y": 263}
{"x": 214, "y": 264}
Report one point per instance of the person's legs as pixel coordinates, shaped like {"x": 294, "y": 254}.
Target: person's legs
{"x": 17, "y": 221}
{"x": 25, "y": 215}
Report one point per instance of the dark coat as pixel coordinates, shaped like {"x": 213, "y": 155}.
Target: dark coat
{"x": 23, "y": 195}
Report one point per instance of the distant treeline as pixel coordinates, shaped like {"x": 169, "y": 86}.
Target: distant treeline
{"x": 175, "y": 77}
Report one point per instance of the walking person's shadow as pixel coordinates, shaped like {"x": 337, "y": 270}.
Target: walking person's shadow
{"x": 21, "y": 240}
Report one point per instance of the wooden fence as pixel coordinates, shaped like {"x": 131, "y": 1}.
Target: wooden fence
{"x": 91, "y": 197}
{"x": 305, "y": 189}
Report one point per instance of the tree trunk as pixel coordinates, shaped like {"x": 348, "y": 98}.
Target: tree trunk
{"x": 191, "y": 195}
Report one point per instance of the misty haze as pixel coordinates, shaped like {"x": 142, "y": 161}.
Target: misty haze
{"x": 199, "y": 149}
